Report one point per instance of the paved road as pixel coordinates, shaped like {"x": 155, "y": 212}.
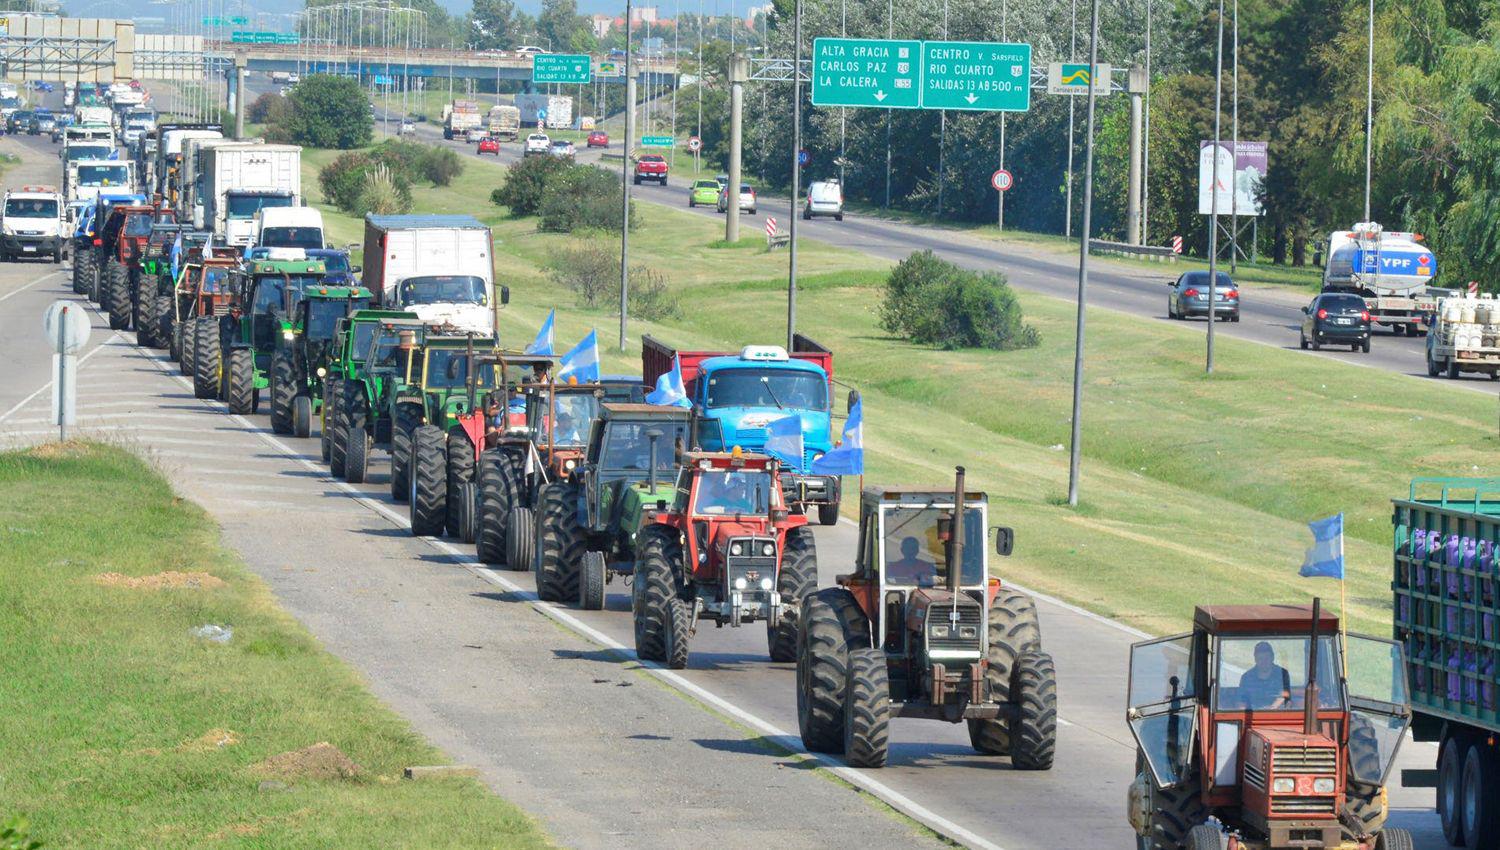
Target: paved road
{"x": 457, "y": 649}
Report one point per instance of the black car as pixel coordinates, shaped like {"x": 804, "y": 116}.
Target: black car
{"x": 1189, "y": 297}
{"x": 1336, "y": 318}
{"x": 18, "y": 121}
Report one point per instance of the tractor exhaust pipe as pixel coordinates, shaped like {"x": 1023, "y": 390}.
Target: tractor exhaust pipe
{"x": 1310, "y": 699}
{"x": 653, "y": 435}
{"x": 956, "y": 535}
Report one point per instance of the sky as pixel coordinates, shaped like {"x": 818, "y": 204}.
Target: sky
{"x": 270, "y": 9}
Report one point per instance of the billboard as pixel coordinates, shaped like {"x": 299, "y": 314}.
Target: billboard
{"x": 1240, "y": 176}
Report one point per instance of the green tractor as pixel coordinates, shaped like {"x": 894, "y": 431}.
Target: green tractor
{"x": 152, "y": 285}
{"x": 379, "y": 404}
{"x": 304, "y": 352}
{"x": 268, "y": 293}
{"x": 435, "y": 460}
{"x": 356, "y": 338}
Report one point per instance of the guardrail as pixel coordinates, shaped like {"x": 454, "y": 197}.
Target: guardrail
{"x": 1155, "y": 253}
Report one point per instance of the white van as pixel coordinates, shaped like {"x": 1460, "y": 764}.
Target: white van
{"x": 288, "y": 227}
{"x": 825, "y": 197}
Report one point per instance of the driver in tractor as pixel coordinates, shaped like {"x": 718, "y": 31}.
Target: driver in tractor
{"x": 1267, "y": 685}
{"x": 911, "y": 569}
{"x": 569, "y": 431}
{"x": 730, "y": 493}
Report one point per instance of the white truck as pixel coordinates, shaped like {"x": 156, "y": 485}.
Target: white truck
{"x": 504, "y": 122}
{"x": 240, "y": 179}
{"x": 289, "y": 227}
{"x": 553, "y": 109}
{"x": 440, "y": 267}
{"x": 1391, "y": 270}
{"x": 459, "y": 117}
{"x": 169, "y": 139}
{"x": 1465, "y": 337}
{"x": 33, "y": 224}
{"x": 87, "y": 176}
{"x": 189, "y": 203}
{"x": 93, "y": 115}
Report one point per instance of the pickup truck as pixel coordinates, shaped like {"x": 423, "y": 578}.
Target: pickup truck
{"x": 652, "y": 166}
{"x": 539, "y": 144}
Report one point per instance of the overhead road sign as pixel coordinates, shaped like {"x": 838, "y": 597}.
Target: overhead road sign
{"x": 976, "y": 75}
{"x": 867, "y": 72}
{"x": 1074, "y": 78}
{"x": 562, "y": 68}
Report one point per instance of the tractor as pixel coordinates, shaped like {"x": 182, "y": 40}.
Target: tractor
{"x": 726, "y": 549}
{"x": 268, "y": 292}
{"x": 118, "y": 244}
{"x": 204, "y": 298}
{"x": 355, "y": 339}
{"x": 1265, "y": 725}
{"x": 374, "y": 395}
{"x": 920, "y": 629}
{"x": 151, "y": 284}
{"x": 303, "y": 353}
{"x": 84, "y": 250}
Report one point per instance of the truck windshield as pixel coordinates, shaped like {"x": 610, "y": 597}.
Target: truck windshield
{"x": 1270, "y": 674}
{"x": 291, "y": 237}
{"x": 77, "y": 152}
{"x": 629, "y": 447}
{"x": 103, "y": 175}
{"x": 726, "y": 492}
{"x": 245, "y": 206}
{"x": 31, "y": 208}
{"x": 439, "y": 360}
{"x": 914, "y": 554}
{"x": 768, "y": 388}
{"x": 443, "y": 289}
{"x": 323, "y": 315}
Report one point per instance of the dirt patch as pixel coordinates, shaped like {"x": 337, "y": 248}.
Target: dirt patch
{"x": 319, "y": 761}
{"x": 53, "y": 451}
{"x": 209, "y": 741}
{"x": 169, "y": 580}
{"x": 242, "y": 830}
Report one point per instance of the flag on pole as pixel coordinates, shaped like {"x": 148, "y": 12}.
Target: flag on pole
{"x": 670, "y": 391}
{"x": 848, "y": 457}
{"x": 1325, "y": 558}
{"x": 784, "y": 440}
{"x": 581, "y": 363}
{"x": 543, "y": 343}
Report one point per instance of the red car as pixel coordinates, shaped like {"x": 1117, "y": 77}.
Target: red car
{"x": 598, "y": 139}
{"x": 489, "y": 145}
{"x": 652, "y": 166}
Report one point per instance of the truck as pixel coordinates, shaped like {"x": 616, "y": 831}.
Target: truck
{"x": 440, "y": 267}
{"x": 556, "y": 111}
{"x": 1392, "y": 270}
{"x": 459, "y": 117}
{"x": 504, "y": 122}
{"x": 189, "y": 199}
{"x": 289, "y": 227}
{"x": 169, "y": 139}
{"x": 1465, "y": 337}
{"x": 93, "y": 115}
{"x": 32, "y": 224}
{"x": 738, "y": 394}
{"x": 86, "y": 177}
{"x": 1446, "y": 617}
{"x": 241, "y": 179}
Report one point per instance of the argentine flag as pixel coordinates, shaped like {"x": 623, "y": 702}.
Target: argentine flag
{"x": 543, "y": 343}
{"x": 784, "y": 440}
{"x": 670, "y": 391}
{"x": 581, "y": 364}
{"x": 1325, "y": 559}
{"x": 848, "y": 458}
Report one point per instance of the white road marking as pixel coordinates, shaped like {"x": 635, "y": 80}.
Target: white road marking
{"x": 18, "y": 290}
{"x": 44, "y": 387}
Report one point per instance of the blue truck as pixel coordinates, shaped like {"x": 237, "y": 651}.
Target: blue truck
{"x": 737, "y": 394}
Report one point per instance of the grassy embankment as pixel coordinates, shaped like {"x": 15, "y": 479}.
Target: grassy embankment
{"x": 123, "y": 730}
{"x": 1194, "y": 488}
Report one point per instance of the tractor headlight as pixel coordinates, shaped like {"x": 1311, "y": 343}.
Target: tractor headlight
{"x": 768, "y": 549}
{"x": 1323, "y": 785}
{"x": 765, "y": 584}
{"x": 322, "y": 372}
{"x": 740, "y": 584}
{"x": 736, "y": 549}
{"x": 568, "y": 465}
{"x": 939, "y": 630}
{"x": 1283, "y": 785}
{"x": 288, "y": 335}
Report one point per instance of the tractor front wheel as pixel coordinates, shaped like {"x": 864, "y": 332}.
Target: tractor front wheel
{"x": 1365, "y": 801}
{"x": 207, "y": 359}
{"x": 1175, "y": 812}
{"x": 798, "y": 577}
{"x": 829, "y": 514}
{"x": 83, "y": 271}
{"x": 494, "y": 506}
{"x": 591, "y": 575}
{"x": 427, "y": 472}
{"x": 461, "y": 460}
{"x": 161, "y": 320}
{"x": 117, "y": 295}
{"x": 239, "y": 391}
{"x": 333, "y": 426}
{"x": 1394, "y": 839}
{"x": 174, "y": 345}
{"x": 283, "y": 391}
{"x": 867, "y": 709}
{"x": 559, "y": 542}
{"x": 408, "y": 417}
{"x": 660, "y": 613}
{"x": 356, "y": 452}
{"x": 1013, "y": 630}
{"x": 302, "y": 416}
{"x": 831, "y": 625}
{"x": 1033, "y": 739}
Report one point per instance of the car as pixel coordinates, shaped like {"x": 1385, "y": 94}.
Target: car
{"x": 1338, "y": 318}
{"x": 41, "y": 122}
{"x": 747, "y": 199}
{"x": 1189, "y": 297}
{"x": 488, "y": 144}
{"x": 407, "y": 128}
{"x": 703, "y": 192}
{"x": 529, "y": 49}
{"x": 722, "y": 180}
{"x": 824, "y": 197}
{"x": 538, "y": 144}
{"x": 597, "y": 139}
{"x": 562, "y": 149}
{"x": 18, "y": 121}
{"x": 294, "y": 78}
{"x": 651, "y": 166}
{"x": 475, "y": 135}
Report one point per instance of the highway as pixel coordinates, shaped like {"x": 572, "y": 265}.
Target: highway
{"x": 549, "y": 702}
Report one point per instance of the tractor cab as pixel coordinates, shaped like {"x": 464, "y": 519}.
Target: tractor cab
{"x": 203, "y": 288}
{"x": 305, "y": 349}
{"x": 631, "y": 462}
{"x": 1277, "y": 726}
{"x": 271, "y": 291}
{"x": 559, "y": 418}
{"x": 454, "y": 378}
{"x": 126, "y": 230}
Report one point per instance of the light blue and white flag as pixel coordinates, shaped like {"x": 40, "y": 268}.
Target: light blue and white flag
{"x": 784, "y": 440}
{"x": 582, "y": 362}
{"x": 848, "y": 457}
{"x": 1325, "y": 558}
{"x": 670, "y": 390}
{"x": 543, "y": 343}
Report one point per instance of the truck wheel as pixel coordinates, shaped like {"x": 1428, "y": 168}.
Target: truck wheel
{"x": 559, "y": 542}
{"x": 1432, "y": 369}
{"x": 591, "y": 576}
{"x": 1452, "y": 368}
{"x": 1394, "y": 839}
{"x": 117, "y": 295}
{"x": 302, "y": 416}
{"x": 283, "y": 391}
{"x": 798, "y": 578}
{"x": 207, "y": 360}
{"x": 832, "y": 624}
{"x": 239, "y": 389}
{"x": 828, "y": 514}
{"x": 1205, "y": 837}
{"x": 1014, "y": 630}
{"x": 1033, "y": 739}
{"x": 408, "y": 417}
{"x": 494, "y": 506}
{"x": 460, "y": 472}
{"x": 867, "y": 709}
{"x": 1450, "y": 787}
{"x": 1481, "y": 798}
{"x": 656, "y": 604}
{"x": 520, "y": 538}
{"x": 427, "y": 475}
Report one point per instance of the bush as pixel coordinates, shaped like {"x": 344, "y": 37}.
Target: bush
{"x": 269, "y": 108}
{"x": 934, "y": 302}
{"x": 580, "y": 197}
{"x": 441, "y": 165}
{"x": 590, "y": 270}
{"x": 524, "y": 182}
{"x": 343, "y": 180}
{"x": 650, "y": 297}
{"x": 325, "y": 111}
{"x": 384, "y": 193}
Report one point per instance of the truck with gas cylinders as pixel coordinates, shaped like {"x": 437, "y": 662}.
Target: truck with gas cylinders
{"x": 554, "y": 111}
{"x": 1391, "y": 270}
{"x": 1446, "y": 580}
{"x": 239, "y": 180}
{"x": 739, "y": 394}
{"x": 459, "y": 117}
{"x": 504, "y": 122}
{"x": 440, "y": 267}
{"x": 1464, "y": 337}
{"x": 32, "y": 224}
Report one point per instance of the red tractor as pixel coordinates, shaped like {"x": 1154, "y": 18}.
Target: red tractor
{"x": 204, "y": 296}
{"x": 1263, "y": 728}
{"x": 726, "y": 550}
{"x": 119, "y": 245}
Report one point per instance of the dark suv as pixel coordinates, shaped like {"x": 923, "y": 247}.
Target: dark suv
{"x": 1337, "y": 318}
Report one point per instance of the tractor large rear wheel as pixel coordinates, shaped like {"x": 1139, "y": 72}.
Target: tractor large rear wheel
{"x": 117, "y": 295}
{"x": 1203, "y": 836}
{"x": 427, "y": 472}
{"x": 494, "y": 506}
{"x": 559, "y": 542}
{"x": 239, "y": 390}
{"x": 1174, "y": 812}
{"x": 461, "y": 462}
{"x": 207, "y": 358}
{"x": 96, "y": 279}
{"x": 83, "y": 271}
{"x": 408, "y": 417}
{"x": 161, "y": 320}
{"x": 336, "y": 420}
{"x": 798, "y": 577}
{"x": 1033, "y": 739}
{"x": 1014, "y": 629}
{"x": 140, "y": 306}
{"x": 831, "y": 625}
{"x": 283, "y": 390}
{"x": 661, "y": 614}
{"x": 867, "y": 709}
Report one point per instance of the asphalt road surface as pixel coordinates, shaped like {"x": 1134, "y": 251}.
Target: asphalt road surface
{"x": 555, "y": 709}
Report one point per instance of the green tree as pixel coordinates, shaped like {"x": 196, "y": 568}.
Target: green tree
{"x": 495, "y": 24}
{"x": 327, "y": 112}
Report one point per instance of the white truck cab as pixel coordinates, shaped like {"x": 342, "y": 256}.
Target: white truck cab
{"x": 87, "y": 176}
{"x": 32, "y": 223}
{"x": 288, "y": 227}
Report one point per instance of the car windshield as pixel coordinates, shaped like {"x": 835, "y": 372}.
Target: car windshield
{"x": 785, "y": 388}
{"x": 440, "y": 360}
{"x": 103, "y": 175}
{"x": 724, "y": 492}
{"x": 1345, "y": 303}
{"x": 323, "y": 315}
{"x": 31, "y": 207}
{"x": 1270, "y": 673}
{"x": 628, "y": 445}
{"x": 291, "y": 237}
{"x": 914, "y": 553}
{"x": 443, "y": 289}
{"x": 245, "y": 206}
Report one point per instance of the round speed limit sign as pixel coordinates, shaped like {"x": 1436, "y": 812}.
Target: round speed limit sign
{"x": 694, "y": 144}
{"x": 1001, "y": 180}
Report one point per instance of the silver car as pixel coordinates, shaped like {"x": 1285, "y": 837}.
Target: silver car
{"x": 824, "y": 197}
{"x": 1189, "y": 297}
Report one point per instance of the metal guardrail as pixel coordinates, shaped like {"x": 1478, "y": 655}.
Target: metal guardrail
{"x": 1161, "y": 253}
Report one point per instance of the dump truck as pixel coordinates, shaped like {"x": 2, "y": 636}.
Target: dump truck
{"x": 1446, "y": 582}
{"x": 459, "y": 117}
{"x": 1391, "y": 270}
{"x": 1465, "y": 337}
{"x": 504, "y": 122}
{"x": 440, "y": 267}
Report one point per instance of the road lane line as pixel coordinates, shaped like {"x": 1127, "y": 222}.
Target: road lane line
{"x": 21, "y": 289}
{"x": 23, "y": 402}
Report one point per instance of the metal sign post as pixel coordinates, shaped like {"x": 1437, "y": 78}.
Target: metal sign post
{"x": 66, "y": 328}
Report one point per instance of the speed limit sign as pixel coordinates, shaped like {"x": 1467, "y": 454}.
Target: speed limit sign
{"x": 1001, "y": 180}
{"x": 695, "y": 143}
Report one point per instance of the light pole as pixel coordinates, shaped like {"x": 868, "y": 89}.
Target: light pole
{"x": 791, "y": 278}
{"x": 1213, "y": 190}
{"x": 625, "y": 183}
{"x": 1074, "y": 449}
{"x": 1072, "y": 54}
{"x": 1369, "y": 106}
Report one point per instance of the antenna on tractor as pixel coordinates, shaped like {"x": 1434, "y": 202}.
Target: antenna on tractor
{"x": 1310, "y": 699}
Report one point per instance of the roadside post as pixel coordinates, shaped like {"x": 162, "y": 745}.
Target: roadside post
{"x": 66, "y": 328}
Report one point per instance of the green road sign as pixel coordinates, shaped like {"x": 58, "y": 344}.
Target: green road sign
{"x": 216, "y": 21}
{"x": 608, "y": 69}
{"x": 976, "y": 75}
{"x": 561, "y": 68}
{"x": 656, "y": 141}
{"x": 867, "y": 72}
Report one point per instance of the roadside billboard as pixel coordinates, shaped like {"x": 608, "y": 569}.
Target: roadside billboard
{"x": 1240, "y": 177}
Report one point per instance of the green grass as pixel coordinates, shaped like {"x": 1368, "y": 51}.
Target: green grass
{"x": 106, "y": 696}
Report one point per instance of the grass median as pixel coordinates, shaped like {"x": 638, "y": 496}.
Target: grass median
{"x": 123, "y": 729}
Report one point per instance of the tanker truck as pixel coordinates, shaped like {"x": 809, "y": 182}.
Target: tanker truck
{"x": 1391, "y": 270}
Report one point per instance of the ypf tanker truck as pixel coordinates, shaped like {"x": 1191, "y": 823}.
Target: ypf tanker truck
{"x": 1393, "y": 271}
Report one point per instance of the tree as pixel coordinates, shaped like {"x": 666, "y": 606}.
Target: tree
{"x": 328, "y": 112}
{"x": 495, "y": 24}
{"x": 563, "y": 28}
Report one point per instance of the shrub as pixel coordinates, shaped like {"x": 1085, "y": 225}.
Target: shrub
{"x": 325, "y": 111}
{"x": 269, "y": 108}
{"x": 580, "y": 197}
{"x": 343, "y": 180}
{"x": 934, "y": 302}
{"x": 650, "y": 297}
{"x": 590, "y": 270}
{"x": 384, "y": 193}
{"x": 441, "y": 165}
{"x": 524, "y": 182}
